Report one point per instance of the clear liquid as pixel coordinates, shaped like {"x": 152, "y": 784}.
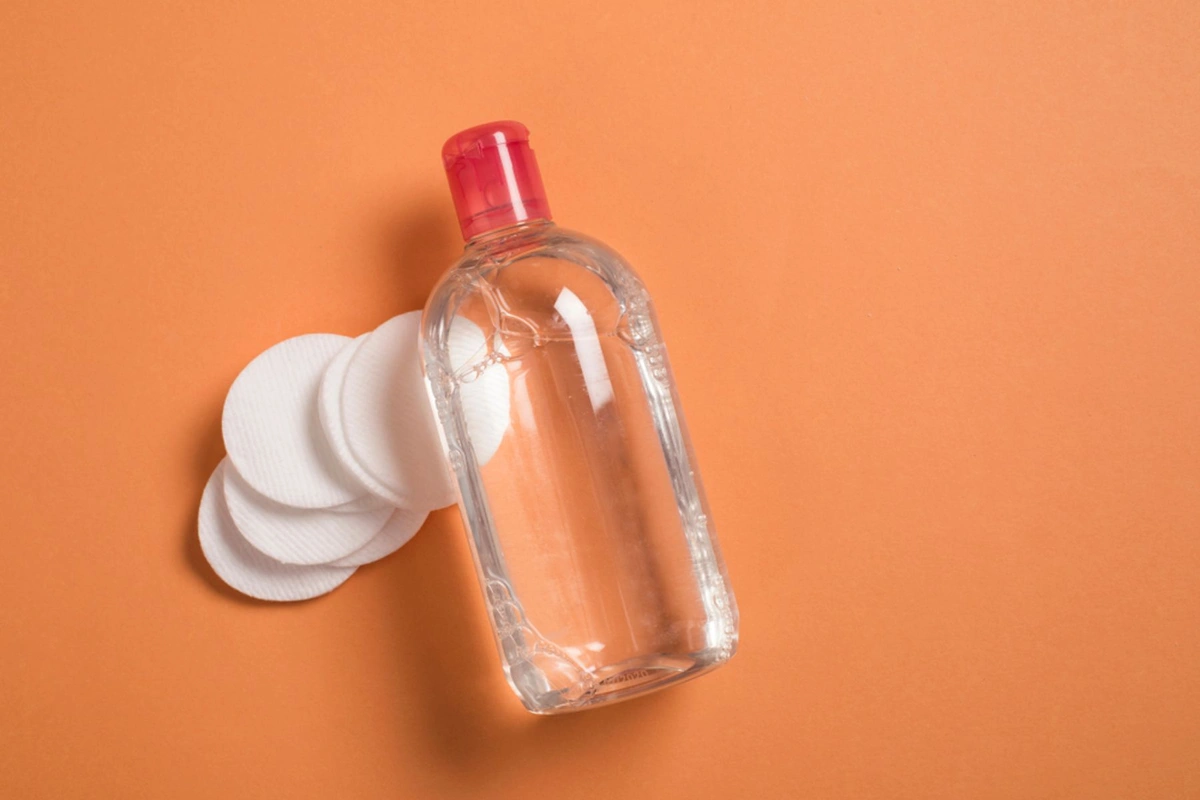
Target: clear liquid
{"x": 589, "y": 525}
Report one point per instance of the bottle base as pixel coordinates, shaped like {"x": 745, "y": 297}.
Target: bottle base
{"x": 623, "y": 681}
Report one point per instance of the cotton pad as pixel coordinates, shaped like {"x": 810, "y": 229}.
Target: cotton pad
{"x": 272, "y": 430}
{"x": 483, "y": 387}
{"x": 387, "y": 420}
{"x": 298, "y": 535}
{"x": 388, "y": 424}
{"x": 397, "y": 531}
{"x": 329, "y": 406}
{"x": 246, "y": 569}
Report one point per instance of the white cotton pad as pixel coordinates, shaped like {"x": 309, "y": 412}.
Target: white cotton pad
{"x": 246, "y": 569}
{"x": 329, "y": 406}
{"x": 272, "y": 430}
{"x": 484, "y": 388}
{"x": 400, "y": 527}
{"x": 387, "y": 420}
{"x": 389, "y": 426}
{"x": 298, "y": 535}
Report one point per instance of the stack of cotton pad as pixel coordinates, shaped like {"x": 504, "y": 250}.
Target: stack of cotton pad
{"x": 333, "y": 456}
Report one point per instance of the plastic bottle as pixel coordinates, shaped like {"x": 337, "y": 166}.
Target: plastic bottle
{"x": 589, "y": 526}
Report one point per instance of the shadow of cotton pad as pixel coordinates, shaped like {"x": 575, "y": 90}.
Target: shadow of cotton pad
{"x": 386, "y": 416}
{"x": 272, "y": 431}
{"x": 298, "y": 535}
{"x": 246, "y": 569}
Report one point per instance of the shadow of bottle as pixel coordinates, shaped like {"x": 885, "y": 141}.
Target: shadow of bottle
{"x": 474, "y": 729}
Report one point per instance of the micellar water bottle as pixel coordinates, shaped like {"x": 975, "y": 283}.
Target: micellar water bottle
{"x": 588, "y": 522}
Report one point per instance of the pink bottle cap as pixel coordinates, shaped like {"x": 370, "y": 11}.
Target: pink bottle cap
{"x": 494, "y": 177}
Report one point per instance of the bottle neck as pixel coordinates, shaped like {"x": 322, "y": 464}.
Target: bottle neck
{"x": 509, "y": 234}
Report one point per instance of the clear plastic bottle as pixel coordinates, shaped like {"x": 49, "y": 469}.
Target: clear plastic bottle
{"x": 589, "y": 526}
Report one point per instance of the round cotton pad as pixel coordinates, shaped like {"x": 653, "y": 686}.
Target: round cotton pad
{"x": 298, "y": 535}
{"x": 387, "y": 420}
{"x": 246, "y": 569}
{"x": 329, "y": 405}
{"x": 272, "y": 431}
{"x": 483, "y": 388}
{"x": 397, "y": 531}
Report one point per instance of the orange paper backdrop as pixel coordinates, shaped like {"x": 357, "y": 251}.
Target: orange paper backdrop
{"x": 930, "y": 276}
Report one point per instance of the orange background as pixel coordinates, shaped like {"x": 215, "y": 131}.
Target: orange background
{"x": 930, "y": 274}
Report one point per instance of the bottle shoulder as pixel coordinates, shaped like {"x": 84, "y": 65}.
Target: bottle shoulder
{"x": 483, "y": 263}
{"x": 533, "y": 284}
